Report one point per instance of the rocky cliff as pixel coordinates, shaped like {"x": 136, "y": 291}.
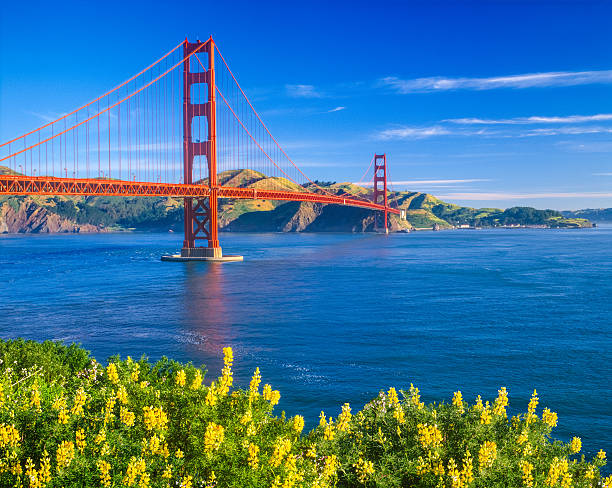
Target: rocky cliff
{"x": 27, "y": 216}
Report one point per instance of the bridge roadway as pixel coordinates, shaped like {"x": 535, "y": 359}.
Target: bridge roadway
{"x": 44, "y": 185}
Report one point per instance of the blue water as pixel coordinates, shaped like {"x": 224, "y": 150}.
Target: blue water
{"x": 335, "y": 318}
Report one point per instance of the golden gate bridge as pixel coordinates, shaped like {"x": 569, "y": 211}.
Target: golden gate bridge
{"x": 174, "y": 129}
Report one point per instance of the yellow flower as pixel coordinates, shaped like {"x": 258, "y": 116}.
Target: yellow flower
{"x": 590, "y": 473}
{"x": 398, "y": 414}
{"x": 126, "y": 416}
{"x": 522, "y": 438}
{"x": 111, "y": 371}
{"x": 330, "y": 467}
{"x": 155, "y": 445}
{"x": 527, "y": 468}
{"x": 155, "y": 418}
{"x": 312, "y": 452}
{"x": 392, "y": 395}
{"x": 167, "y": 474}
{"x": 80, "y": 439}
{"x": 328, "y": 434}
{"x": 467, "y": 471}
{"x": 501, "y": 402}
{"x": 165, "y": 451}
{"x": 181, "y": 378}
{"x": 79, "y": 402}
{"x": 253, "y": 456}
{"x": 135, "y": 373}
{"x": 122, "y": 395}
{"x": 478, "y": 405}
{"x": 559, "y": 468}
{"x": 179, "y": 454}
{"x": 485, "y": 415}
{"x": 213, "y": 437}
{"x": 254, "y": 384}
{"x": 298, "y": 423}
{"x": 197, "y": 380}
{"x": 282, "y": 447}
{"x": 186, "y": 482}
{"x": 44, "y": 473}
{"x": 211, "y": 395}
{"x": 415, "y": 397}
{"x": 575, "y": 445}
{"x": 59, "y": 404}
{"x": 35, "y": 396}
{"x": 65, "y": 454}
{"x": 104, "y": 468}
{"x": 226, "y": 380}
{"x": 422, "y": 466}
{"x": 344, "y": 418}
{"x": 487, "y": 454}
{"x": 247, "y": 417}
{"x": 429, "y": 436}
{"x": 458, "y": 401}
{"x": 62, "y": 417}
{"x": 607, "y": 482}
{"x": 601, "y": 454}
{"x": 136, "y": 468}
{"x": 9, "y": 436}
{"x": 549, "y": 418}
{"x": 454, "y": 474}
{"x": 364, "y": 469}
{"x": 272, "y": 396}
{"x": 531, "y": 408}
{"x": 108, "y": 409}
{"x": 322, "y": 420}
{"x": 32, "y": 474}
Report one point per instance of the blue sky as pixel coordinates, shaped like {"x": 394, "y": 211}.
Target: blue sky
{"x": 496, "y": 103}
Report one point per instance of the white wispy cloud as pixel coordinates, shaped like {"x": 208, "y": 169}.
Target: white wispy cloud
{"x": 413, "y": 132}
{"x": 522, "y": 196}
{"x": 428, "y": 182}
{"x": 602, "y": 174}
{"x": 408, "y": 132}
{"x": 302, "y": 91}
{"x": 528, "y": 80}
{"x": 337, "y": 109}
{"x": 534, "y": 119}
{"x": 565, "y": 131}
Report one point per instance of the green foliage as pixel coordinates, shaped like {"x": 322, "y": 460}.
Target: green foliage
{"x": 319, "y": 183}
{"x": 56, "y": 361}
{"x": 65, "y": 420}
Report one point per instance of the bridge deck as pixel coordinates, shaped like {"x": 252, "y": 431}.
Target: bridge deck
{"x": 42, "y": 185}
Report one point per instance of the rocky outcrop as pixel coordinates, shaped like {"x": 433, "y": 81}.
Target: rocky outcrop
{"x": 29, "y": 217}
{"x": 310, "y": 217}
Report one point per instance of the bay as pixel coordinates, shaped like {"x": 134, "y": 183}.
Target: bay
{"x": 335, "y": 318}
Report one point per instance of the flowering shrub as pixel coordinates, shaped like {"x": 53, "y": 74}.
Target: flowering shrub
{"x": 66, "y": 420}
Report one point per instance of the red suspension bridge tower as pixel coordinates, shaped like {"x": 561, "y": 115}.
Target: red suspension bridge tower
{"x": 200, "y": 213}
{"x": 380, "y": 194}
